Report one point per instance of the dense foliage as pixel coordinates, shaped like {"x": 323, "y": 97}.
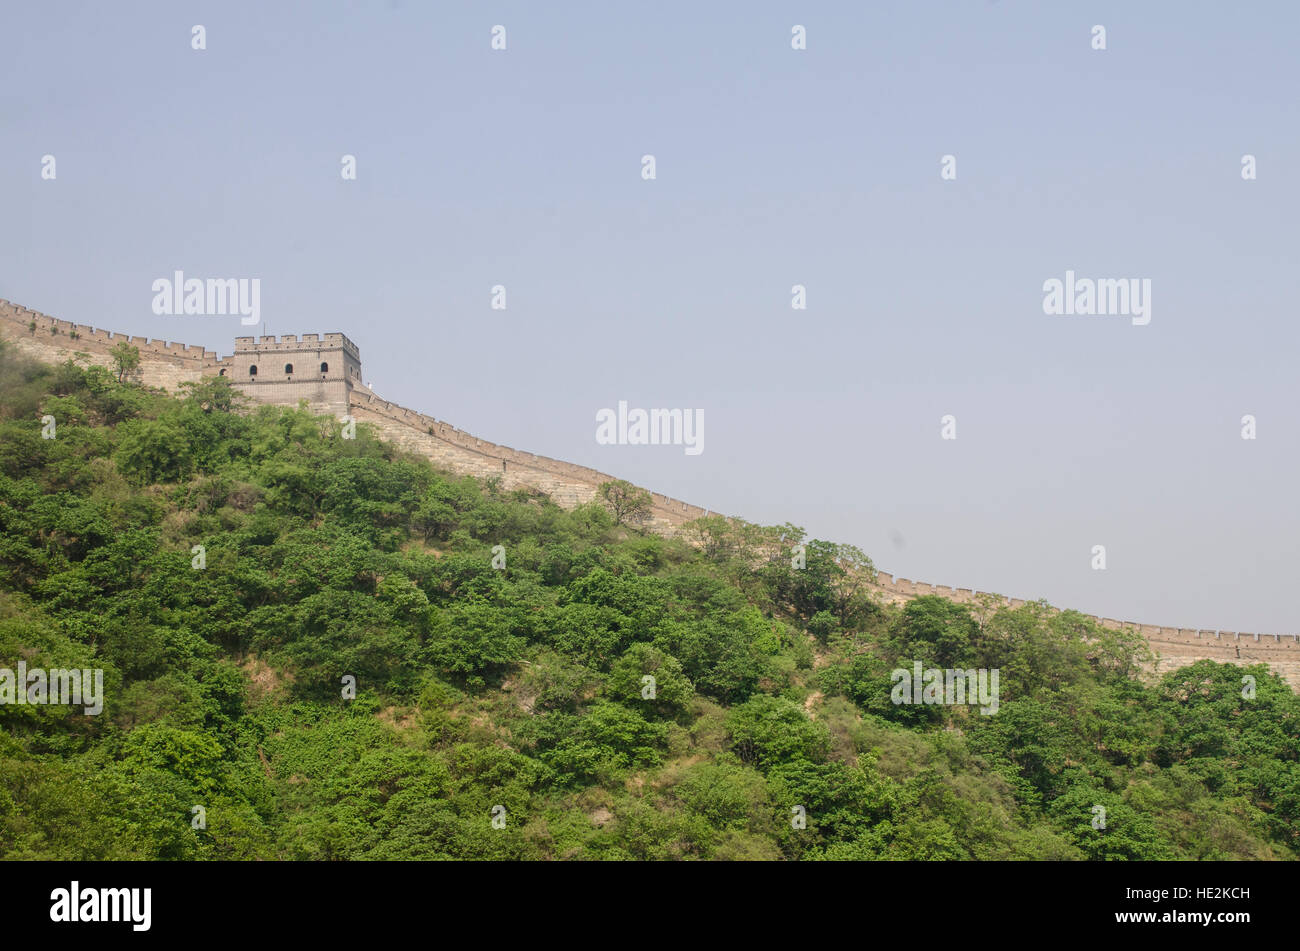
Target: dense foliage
{"x": 523, "y": 686}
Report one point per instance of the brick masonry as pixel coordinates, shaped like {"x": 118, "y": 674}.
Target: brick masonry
{"x": 325, "y": 371}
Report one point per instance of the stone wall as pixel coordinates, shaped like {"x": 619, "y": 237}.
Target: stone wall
{"x": 320, "y": 370}
{"x": 1174, "y": 647}
{"x": 569, "y": 485}
{"x": 49, "y": 340}
{"x": 340, "y": 390}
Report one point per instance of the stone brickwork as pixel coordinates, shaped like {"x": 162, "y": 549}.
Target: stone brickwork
{"x": 319, "y": 369}
{"x": 325, "y": 370}
{"x": 1174, "y": 647}
{"x": 449, "y": 447}
{"x": 49, "y": 340}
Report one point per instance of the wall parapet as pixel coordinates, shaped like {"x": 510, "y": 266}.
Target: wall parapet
{"x": 673, "y": 512}
{"x": 669, "y": 514}
{"x": 86, "y": 337}
{"x": 905, "y": 588}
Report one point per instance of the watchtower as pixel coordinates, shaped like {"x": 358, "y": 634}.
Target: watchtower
{"x": 321, "y": 369}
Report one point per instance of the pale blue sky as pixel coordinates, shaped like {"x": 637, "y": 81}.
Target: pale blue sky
{"x": 775, "y": 167}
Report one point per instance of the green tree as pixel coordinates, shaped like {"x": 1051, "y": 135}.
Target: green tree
{"x": 628, "y": 504}
{"x": 668, "y": 694}
{"x": 126, "y": 360}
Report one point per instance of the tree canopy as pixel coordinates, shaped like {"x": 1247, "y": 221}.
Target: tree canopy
{"x": 310, "y": 637}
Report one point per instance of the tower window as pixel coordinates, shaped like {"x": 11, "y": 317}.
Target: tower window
{"x": 324, "y": 368}
{"x": 221, "y": 373}
{"x": 288, "y": 368}
{"x": 252, "y": 370}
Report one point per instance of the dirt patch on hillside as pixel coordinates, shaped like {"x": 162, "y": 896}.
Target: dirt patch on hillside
{"x": 812, "y": 701}
{"x": 264, "y": 681}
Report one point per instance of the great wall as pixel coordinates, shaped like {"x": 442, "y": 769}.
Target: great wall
{"x": 325, "y": 370}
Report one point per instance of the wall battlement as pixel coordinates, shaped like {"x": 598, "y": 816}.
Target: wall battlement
{"x": 904, "y": 589}
{"x": 88, "y": 337}
{"x": 326, "y": 371}
{"x": 290, "y": 343}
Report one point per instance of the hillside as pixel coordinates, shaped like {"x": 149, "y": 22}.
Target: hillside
{"x": 501, "y": 711}
{"x": 169, "y": 365}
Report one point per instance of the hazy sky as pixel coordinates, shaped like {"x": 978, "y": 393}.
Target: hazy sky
{"x": 774, "y": 167}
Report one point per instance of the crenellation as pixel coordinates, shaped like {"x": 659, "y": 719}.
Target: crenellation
{"x": 327, "y": 374}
